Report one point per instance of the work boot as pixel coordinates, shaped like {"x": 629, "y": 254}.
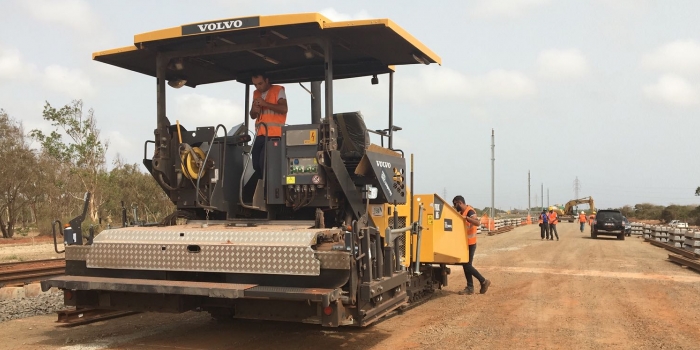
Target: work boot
{"x": 485, "y": 286}
{"x": 467, "y": 291}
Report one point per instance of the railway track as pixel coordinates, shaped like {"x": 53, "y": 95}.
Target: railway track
{"x": 18, "y": 273}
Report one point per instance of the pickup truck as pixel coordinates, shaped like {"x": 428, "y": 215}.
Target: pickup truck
{"x": 678, "y": 223}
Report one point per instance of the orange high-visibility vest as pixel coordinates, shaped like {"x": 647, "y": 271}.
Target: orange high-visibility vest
{"x": 471, "y": 229}
{"x": 553, "y": 219}
{"x": 273, "y": 121}
{"x": 582, "y": 218}
{"x": 541, "y": 221}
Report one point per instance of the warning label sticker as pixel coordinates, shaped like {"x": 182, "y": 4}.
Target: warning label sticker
{"x": 313, "y": 138}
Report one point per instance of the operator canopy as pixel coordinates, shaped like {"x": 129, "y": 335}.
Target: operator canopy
{"x": 290, "y": 48}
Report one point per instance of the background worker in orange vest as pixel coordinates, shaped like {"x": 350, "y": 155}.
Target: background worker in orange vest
{"x": 472, "y": 225}
{"x": 270, "y": 113}
{"x": 553, "y": 221}
{"x": 582, "y": 220}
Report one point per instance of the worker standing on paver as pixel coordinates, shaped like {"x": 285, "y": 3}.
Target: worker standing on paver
{"x": 582, "y": 220}
{"x": 544, "y": 225}
{"x": 553, "y": 220}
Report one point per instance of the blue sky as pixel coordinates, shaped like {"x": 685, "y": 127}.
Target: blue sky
{"x": 606, "y": 91}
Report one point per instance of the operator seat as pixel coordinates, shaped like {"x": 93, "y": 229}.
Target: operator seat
{"x": 353, "y": 137}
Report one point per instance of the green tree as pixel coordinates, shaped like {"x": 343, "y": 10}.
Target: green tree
{"x": 83, "y": 152}
{"x": 19, "y": 181}
{"x": 126, "y": 182}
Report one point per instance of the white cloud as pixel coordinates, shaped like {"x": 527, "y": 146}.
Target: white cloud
{"x": 505, "y": 84}
{"x": 199, "y": 110}
{"x": 681, "y": 56}
{"x": 562, "y": 64}
{"x": 71, "y": 82}
{"x": 336, "y": 16}
{"x": 673, "y": 90}
{"x": 504, "y": 8}
{"x": 76, "y": 14}
{"x": 445, "y": 82}
{"x": 13, "y": 66}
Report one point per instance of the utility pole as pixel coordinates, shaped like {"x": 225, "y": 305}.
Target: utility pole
{"x": 542, "y": 195}
{"x": 537, "y": 200}
{"x": 577, "y": 187}
{"x": 547, "y": 197}
{"x": 493, "y": 162}
{"x": 528, "y": 193}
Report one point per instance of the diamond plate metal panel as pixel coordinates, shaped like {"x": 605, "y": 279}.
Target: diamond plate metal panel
{"x": 211, "y": 258}
{"x": 77, "y": 252}
{"x": 334, "y": 260}
{"x": 185, "y": 235}
{"x": 229, "y": 251}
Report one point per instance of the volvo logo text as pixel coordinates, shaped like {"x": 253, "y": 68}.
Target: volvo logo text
{"x": 381, "y": 164}
{"x": 220, "y": 25}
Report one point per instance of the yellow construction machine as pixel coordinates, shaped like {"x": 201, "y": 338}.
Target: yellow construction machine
{"x": 330, "y": 232}
{"x": 568, "y": 214}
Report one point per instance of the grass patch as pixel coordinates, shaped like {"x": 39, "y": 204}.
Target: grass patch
{"x": 12, "y": 257}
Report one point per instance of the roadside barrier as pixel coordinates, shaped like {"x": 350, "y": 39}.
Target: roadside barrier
{"x": 498, "y": 226}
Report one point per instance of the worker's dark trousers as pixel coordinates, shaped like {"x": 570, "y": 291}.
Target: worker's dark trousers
{"x": 553, "y": 231}
{"x": 583, "y": 224}
{"x": 469, "y": 271}
{"x": 258, "y": 154}
{"x": 257, "y": 158}
{"x": 544, "y": 230}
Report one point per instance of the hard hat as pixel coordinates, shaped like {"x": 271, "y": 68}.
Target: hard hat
{"x": 581, "y": 212}
{"x": 551, "y": 208}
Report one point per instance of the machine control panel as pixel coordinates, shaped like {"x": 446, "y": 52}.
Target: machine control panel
{"x": 303, "y": 166}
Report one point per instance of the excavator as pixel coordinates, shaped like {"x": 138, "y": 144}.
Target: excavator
{"x": 332, "y": 234}
{"x": 568, "y": 214}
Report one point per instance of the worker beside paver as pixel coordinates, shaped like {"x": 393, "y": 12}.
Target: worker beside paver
{"x": 553, "y": 221}
{"x": 544, "y": 225}
{"x": 472, "y": 225}
{"x": 582, "y": 219}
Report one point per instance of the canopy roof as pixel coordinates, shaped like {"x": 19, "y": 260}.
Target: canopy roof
{"x": 289, "y": 48}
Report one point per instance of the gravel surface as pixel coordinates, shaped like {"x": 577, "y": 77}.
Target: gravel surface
{"x": 27, "y": 251}
{"x": 44, "y": 303}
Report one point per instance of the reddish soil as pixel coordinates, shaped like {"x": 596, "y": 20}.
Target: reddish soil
{"x": 576, "y": 293}
{"x": 26, "y": 240}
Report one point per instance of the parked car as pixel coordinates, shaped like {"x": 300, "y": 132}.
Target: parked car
{"x": 628, "y": 226}
{"x": 678, "y": 223}
{"x": 608, "y": 222}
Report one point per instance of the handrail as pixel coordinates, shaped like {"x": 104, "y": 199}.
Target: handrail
{"x": 53, "y": 231}
{"x": 204, "y": 163}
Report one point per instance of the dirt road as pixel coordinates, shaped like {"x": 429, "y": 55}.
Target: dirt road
{"x": 576, "y": 293}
